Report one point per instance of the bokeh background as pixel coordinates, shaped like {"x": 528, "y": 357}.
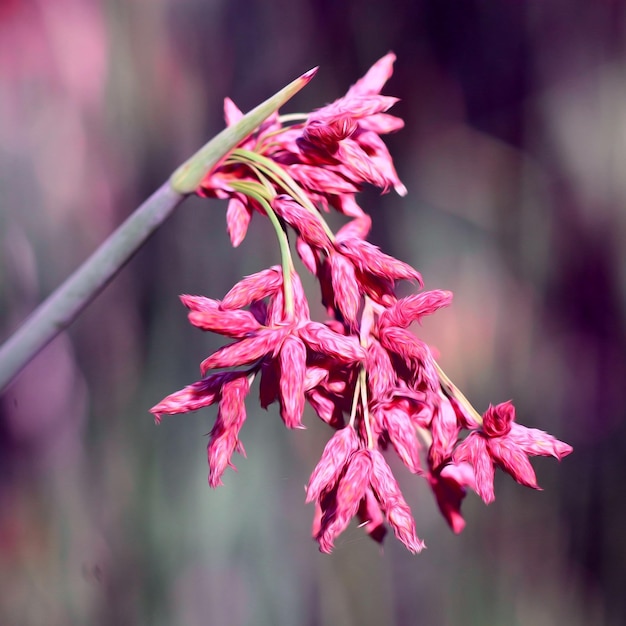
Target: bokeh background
{"x": 514, "y": 154}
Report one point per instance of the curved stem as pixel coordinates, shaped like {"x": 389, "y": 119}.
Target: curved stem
{"x": 260, "y": 193}
{"x": 452, "y": 391}
{"x": 279, "y": 175}
{"x": 285, "y": 257}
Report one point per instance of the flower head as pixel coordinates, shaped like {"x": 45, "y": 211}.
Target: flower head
{"x": 361, "y": 369}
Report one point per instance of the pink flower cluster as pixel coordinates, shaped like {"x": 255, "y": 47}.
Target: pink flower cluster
{"x": 362, "y": 370}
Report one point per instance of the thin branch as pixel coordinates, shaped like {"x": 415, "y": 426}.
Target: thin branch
{"x": 62, "y": 307}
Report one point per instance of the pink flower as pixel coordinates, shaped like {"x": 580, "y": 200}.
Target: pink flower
{"x": 486, "y": 449}
{"x": 225, "y": 433}
{"x": 193, "y": 397}
{"x": 364, "y": 373}
{"x": 334, "y": 459}
{"x": 392, "y": 503}
{"x": 253, "y": 288}
{"x": 412, "y": 308}
{"x": 371, "y": 517}
{"x": 400, "y": 429}
{"x": 349, "y": 492}
{"x": 449, "y": 485}
{"x": 445, "y": 430}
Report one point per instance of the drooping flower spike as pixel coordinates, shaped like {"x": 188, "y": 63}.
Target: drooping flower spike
{"x": 362, "y": 370}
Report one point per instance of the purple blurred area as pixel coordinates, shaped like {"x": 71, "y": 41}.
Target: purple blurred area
{"x": 514, "y": 154}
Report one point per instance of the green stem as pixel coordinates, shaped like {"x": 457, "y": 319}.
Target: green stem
{"x": 293, "y": 117}
{"x": 190, "y": 174}
{"x": 279, "y": 175}
{"x": 68, "y": 300}
{"x": 355, "y": 401}
{"x": 452, "y": 391}
{"x": 366, "y": 411}
{"x": 262, "y": 194}
{"x": 285, "y": 257}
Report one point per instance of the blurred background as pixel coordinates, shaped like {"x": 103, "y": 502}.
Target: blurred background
{"x": 514, "y": 154}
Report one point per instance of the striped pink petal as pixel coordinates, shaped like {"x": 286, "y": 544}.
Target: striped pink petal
{"x": 412, "y": 308}
{"x": 254, "y": 287}
{"x": 225, "y": 433}
{"x": 266, "y": 341}
{"x": 379, "y": 154}
{"x": 382, "y": 123}
{"x": 473, "y": 450}
{"x": 320, "y": 179}
{"x": 319, "y": 338}
{"x": 375, "y": 78}
{"x": 236, "y": 324}
{"x": 537, "y": 442}
{"x": 402, "y": 434}
{"x": 192, "y": 397}
{"x": 307, "y": 255}
{"x": 307, "y": 224}
{"x": 445, "y": 430}
{"x": 345, "y": 287}
{"x": 292, "y": 359}
{"x": 393, "y": 504}
{"x": 381, "y": 374}
{"x": 238, "y": 216}
{"x": 351, "y": 489}
{"x": 357, "y": 165}
{"x": 334, "y": 458}
{"x": 369, "y": 259}
{"x": 514, "y": 461}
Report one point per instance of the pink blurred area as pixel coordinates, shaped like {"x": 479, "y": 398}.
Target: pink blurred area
{"x": 512, "y": 154}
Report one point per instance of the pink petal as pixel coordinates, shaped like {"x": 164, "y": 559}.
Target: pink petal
{"x": 513, "y": 460}
{"x": 238, "y": 216}
{"x": 319, "y": 338}
{"x": 392, "y": 502}
{"x": 308, "y": 225}
{"x": 345, "y": 286}
{"x": 246, "y": 351}
{"x": 412, "y": 308}
{"x": 254, "y": 287}
{"x": 402, "y": 435}
{"x": 234, "y": 324}
{"x": 372, "y": 518}
{"x": 445, "y": 431}
{"x": 225, "y": 434}
{"x": 381, "y": 374}
{"x": 473, "y": 449}
{"x": 334, "y": 458}
{"x": 192, "y": 397}
{"x": 351, "y": 490}
{"x": 375, "y": 78}
{"x": 537, "y": 442}
{"x": 369, "y": 259}
{"x": 320, "y": 179}
{"x": 449, "y": 485}
{"x": 292, "y": 372}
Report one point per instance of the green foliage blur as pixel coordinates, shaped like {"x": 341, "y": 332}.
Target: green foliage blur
{"x": 513, "y": 153}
